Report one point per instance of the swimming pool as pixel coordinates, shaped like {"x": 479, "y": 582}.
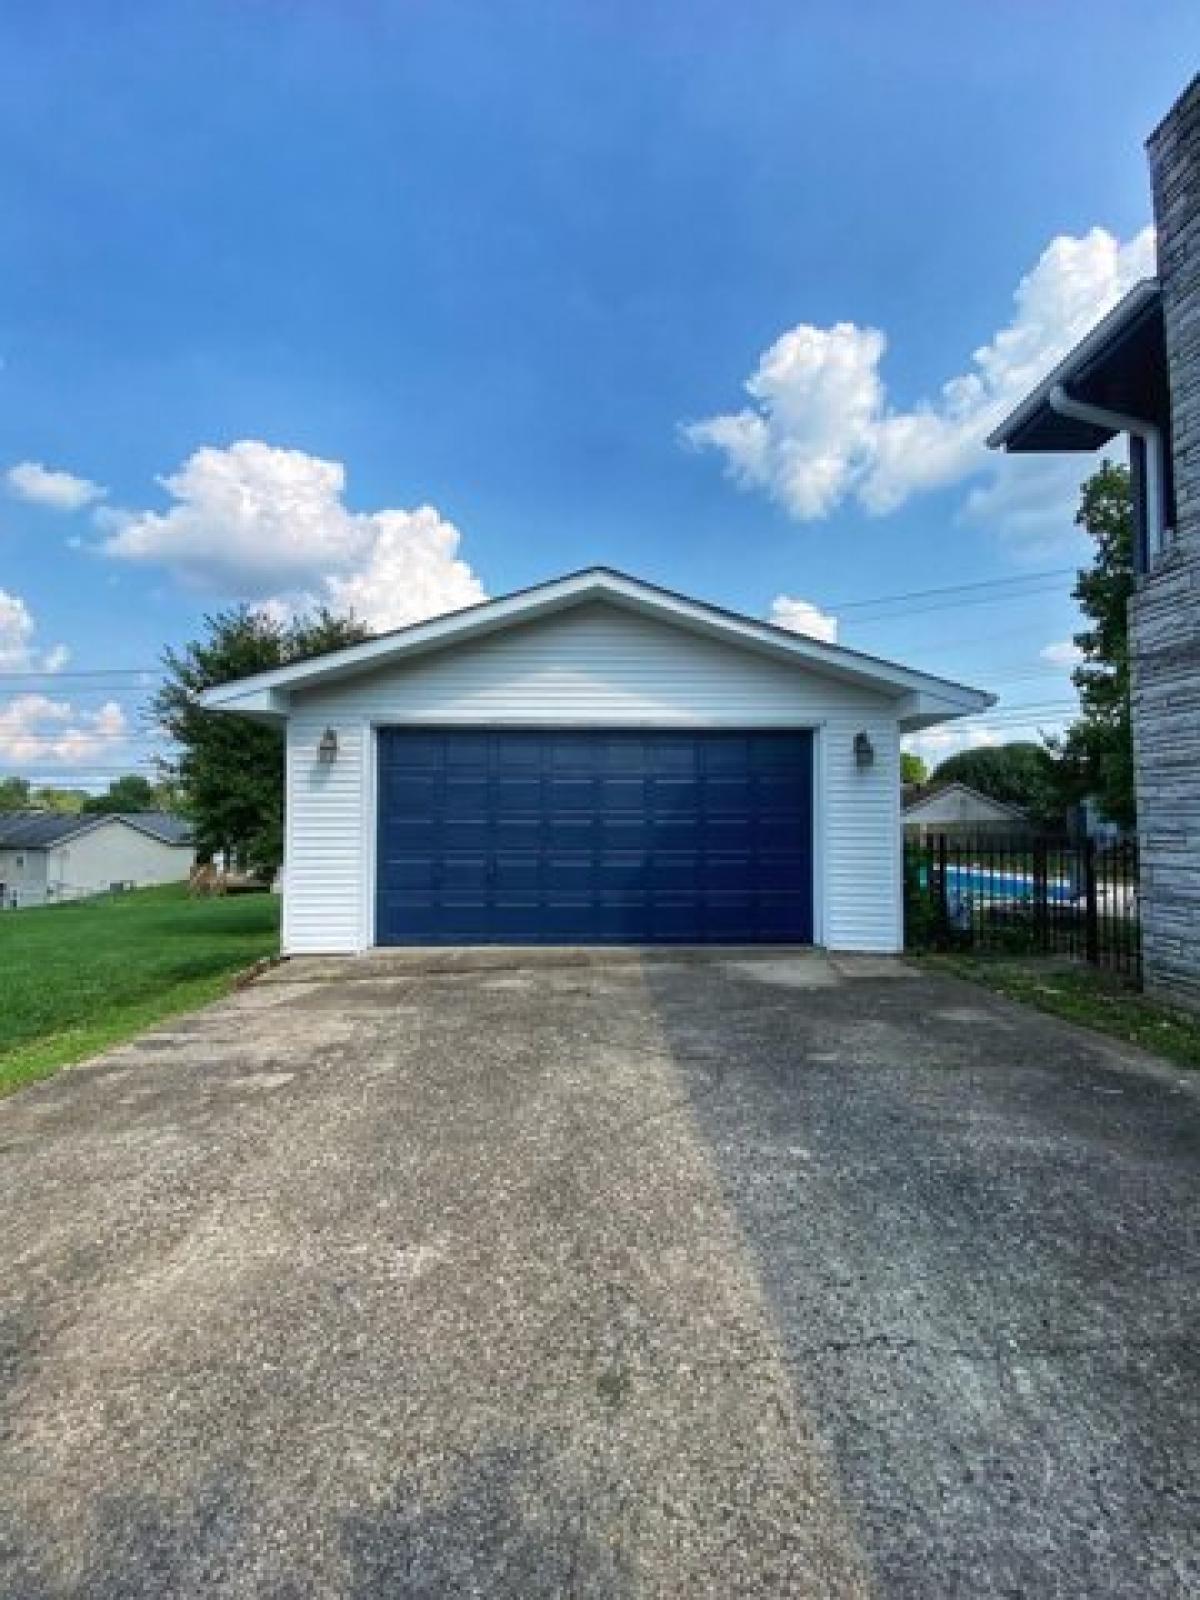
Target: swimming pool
{"x": 1006, "y": 885}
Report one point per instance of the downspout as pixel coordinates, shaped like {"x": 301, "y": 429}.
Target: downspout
{"x": 1066, "y": 405}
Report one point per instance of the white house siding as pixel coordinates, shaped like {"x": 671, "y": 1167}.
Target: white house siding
{"x": 114, "y": 853}
{"x": 598, "y": 666}
{"x": 22, "y": 878}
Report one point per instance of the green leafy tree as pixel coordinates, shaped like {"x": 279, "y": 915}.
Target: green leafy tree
{"x": 14, "y": 794}
{"x": 230, "y": 770}
{"x": 69, "y": 801}
{"x": 912, "y": 768}
{"x": 132, "y": 792}
{"x": 1095, "y": 756}
{"x": 1020, "y": 774}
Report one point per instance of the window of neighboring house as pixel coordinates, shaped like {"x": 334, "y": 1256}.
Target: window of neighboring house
{"x": 20, "y": 863}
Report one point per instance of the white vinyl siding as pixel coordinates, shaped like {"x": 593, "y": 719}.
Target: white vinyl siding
{"x": 597, "y": 666}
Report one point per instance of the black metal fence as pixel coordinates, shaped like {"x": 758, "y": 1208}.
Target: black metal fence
{"x": 1025, "y": 896}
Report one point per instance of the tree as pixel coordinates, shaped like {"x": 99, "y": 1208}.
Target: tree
{"x": 132, "y": 792}
{"x": 1019, "y": 774}
{"x": 68, "y": 801}
{"x": 230, "y": 770}
{"x": 912, "y": 768}
{"x": 14, "y": 794}
{"x": 1095, "y": 755}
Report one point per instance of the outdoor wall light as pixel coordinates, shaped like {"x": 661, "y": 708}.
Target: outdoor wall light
{"x": 864, "y": 751}
{"x": 327, "y": 748}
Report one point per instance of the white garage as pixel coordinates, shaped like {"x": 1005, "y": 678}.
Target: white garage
{"x": 594, "y": 761}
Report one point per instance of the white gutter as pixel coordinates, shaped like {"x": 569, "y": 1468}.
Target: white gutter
{"x": 1066, "y": 405}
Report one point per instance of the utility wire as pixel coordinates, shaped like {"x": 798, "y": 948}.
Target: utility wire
{"x": 956, "y": 588}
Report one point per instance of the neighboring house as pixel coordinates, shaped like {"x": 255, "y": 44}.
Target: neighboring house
{"x": 48, "y": 855}
{"x": 958, "y": 810}
{"x": 1138, "y": 373}
{"x": 594, "y": 760}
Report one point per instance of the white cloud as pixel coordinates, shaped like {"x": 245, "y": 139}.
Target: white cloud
{"x": 271, "y": 525}
{"x": 1033, "y": 499}
{"x": 61, "y": 491}
{"x": 38, "y": 730}
{"x": 820, "y": 431}
{"x": 1062, "y": 653}
{"x": 17, "y": 633}
{"x": 802, "y": 616}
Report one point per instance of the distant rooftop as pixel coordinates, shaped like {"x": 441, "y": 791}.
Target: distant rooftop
{"x": 43, "y": 830}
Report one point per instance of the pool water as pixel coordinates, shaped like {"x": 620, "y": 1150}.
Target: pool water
{"x": 1006, "y": 885}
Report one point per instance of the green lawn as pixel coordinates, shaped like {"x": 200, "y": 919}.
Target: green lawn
{"x": 75, "y": 978}
{"x": 1081, "y": 994}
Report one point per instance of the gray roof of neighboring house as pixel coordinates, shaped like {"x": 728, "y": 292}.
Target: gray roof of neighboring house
{"x": 164, "y": 826}
{"x": 43, "y": 830}
{"x": 917, "y": 795}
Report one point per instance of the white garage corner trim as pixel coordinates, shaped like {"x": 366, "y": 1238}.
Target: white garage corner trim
{"x": 594, "y": 657}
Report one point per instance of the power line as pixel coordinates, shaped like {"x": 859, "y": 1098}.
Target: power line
{"x": 955, "y": 588}
{"x": 69, "y": 674}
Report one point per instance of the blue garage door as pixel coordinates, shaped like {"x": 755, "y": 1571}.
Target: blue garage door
{"x": 584, "y": 837}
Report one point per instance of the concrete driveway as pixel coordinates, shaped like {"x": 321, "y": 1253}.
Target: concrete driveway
{"x": 742, "y": 1275}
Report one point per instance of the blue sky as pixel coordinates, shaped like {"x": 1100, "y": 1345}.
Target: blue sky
{"x": 504, "y": 270}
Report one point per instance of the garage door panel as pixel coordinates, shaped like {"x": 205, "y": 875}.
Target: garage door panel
{"x": 413, "y": 836}
{"x": 409, "y": 793}
{"x": 519, "y": 871}
{"x": 570, "y": 873}
{"x": 569, "y": 832}
{"x": 516, "y": 753}
{"x": 593, "y": 837}
{"x": 779, "y": 835}
{"x": 465, "y": 797}
{"x": 619, "y": 870}
{"x": 678, "y": 869}
{"x": 571, "y": 794}
{"x": 511, "y": 834}
{"x": 465, "y": 834}
{"x": 462, "y": 872}
{"x": 731, "y": 918}
{"x": 408, "y": 872}
{"x": 623, "y": 834}
{"x": 519, "y": 796}
{"x": 622, "y": 794}
{"x": 674, "y": 757}
{"x": 675, "y": 796}
{"x": 727, "y": 872}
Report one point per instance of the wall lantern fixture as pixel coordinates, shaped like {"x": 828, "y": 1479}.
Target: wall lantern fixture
{"x": 864, "y": 751}
{"x": 327, "y": 748}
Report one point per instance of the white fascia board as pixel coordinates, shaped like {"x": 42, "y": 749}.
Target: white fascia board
{"x": 926, "y": 710}
{"x": 242, "y": 698}
{"x": 266, "y": 694}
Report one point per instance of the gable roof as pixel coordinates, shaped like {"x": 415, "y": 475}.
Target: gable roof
{"x": 161, "y": 825}
{"x": 40, "y": 830}
{"x": 933, "y": 791}
{"x": 926, "y": 699}
{"x": 45, "y": 830}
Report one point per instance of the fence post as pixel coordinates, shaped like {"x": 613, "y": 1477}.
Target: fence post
{"x": 1092, "y": 924}
{"x": 943, "y": 889}
{"x": 1041, "y": 890}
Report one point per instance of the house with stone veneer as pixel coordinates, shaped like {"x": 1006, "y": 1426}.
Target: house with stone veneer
{"x": 1137, "y": 373}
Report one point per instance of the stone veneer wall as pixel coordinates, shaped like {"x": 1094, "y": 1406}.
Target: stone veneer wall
{"x": 1165, "y": 613}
